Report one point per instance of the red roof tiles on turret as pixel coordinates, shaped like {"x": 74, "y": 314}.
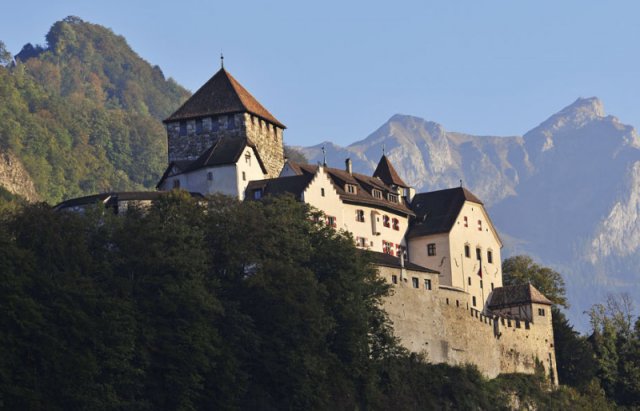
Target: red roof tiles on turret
{"x": 222, "y": 94}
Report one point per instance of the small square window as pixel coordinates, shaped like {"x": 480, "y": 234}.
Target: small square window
{"x": 257, "y": 194}
{"x": 431, "y": 249}
{"x": 427, "y": 284}
{"x": 541, "y": 312}
{"x": 415, "y": 281}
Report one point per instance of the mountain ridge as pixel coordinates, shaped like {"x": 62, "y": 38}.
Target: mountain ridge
{"x": 566, "y": 192}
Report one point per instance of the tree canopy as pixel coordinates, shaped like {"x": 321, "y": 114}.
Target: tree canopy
{"x": 521, "y": 269}
{"x": 82, "y": 113}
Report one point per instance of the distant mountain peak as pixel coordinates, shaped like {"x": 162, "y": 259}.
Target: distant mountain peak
{"x": 591, "y": 106}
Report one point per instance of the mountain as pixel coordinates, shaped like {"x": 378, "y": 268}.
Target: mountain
{"x": 566, "y": 192}
{"x": 81, "y": 114}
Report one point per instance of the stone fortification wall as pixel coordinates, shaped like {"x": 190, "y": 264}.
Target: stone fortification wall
{"x": 440, "y": 324}
{"x": 198, "y": 135}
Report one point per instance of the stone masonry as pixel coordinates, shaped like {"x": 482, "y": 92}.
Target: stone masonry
{"x": 200, "y": 134}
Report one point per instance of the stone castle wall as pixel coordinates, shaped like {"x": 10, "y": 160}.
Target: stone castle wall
{"x": 195, "y": 139}
{"x": 440, "y": 324}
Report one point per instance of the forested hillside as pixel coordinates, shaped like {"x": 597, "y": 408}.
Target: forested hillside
{"x": 81, "y": 113}
{"x": 177, "y": 308}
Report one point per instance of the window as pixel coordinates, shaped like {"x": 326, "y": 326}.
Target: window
{"x": 396, "y": 224}
{"x": 210, "y": 176}
{"x": 473, "y": 300}
{"x": 199, "y": 125}
{"x": 467, "y": 251}
{"x": 415, "y": 282}
{"x": 457, "y": 303}
{"x": 478, "y": 254}
{"x": 393, "y": 197}
{"x": 517, "y": 323}
{"x": 361, "y": 242}
{"x": 176, "y": 183}
{"x": 466, "y": 221}
{"x": 331, "y": 221}
{"x": 469, "y": 280}
{"x": 360, "y": 216}
{"x": 183, "y": 128}
{"x": 376, "y": 193}
{"x": 385, "y": 221}
{"x": 387, "y": 247}
{"x": 400, "y": 250}
{"x": 394, "y": 279}
{"x": 490, "y": 257}
{"x": 427, "y": 284}
{"x": 541, "y": 312}
{"x": 247, "y": 158}
{"x": 481, "y": 284}
{"x": 257, "y": 194}
{"x": 351, "y": 189}
{"x": 322, "y": 192}
{"x": 431, "y": 249}
{"x": 244, "y": 176}
{"x": 479, "y": 225}
{"x": 491, "y": 286}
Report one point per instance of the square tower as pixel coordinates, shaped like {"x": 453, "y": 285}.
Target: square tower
{"x": 222, "y": 108}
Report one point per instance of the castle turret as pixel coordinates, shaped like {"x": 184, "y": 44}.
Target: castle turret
{"x": 222, "y": 109}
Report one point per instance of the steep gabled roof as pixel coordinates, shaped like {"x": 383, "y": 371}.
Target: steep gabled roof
{"x": 387, "y": 173}
{"x": 222, "y": 94}
{"x": 514, "y": 295}
{"x": 224, "y": 151}
{"x": 365, "y": 185}
{"x": 281, "y": 185}
{"x": 436, "y": 211}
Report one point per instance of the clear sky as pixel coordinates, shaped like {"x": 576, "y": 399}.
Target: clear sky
{"x": 337, "y": 70}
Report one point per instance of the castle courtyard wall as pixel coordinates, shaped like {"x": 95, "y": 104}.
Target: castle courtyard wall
{"x": 440, "y": 324}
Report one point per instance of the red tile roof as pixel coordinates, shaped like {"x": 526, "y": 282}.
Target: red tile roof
{"x": 222, "y": 94}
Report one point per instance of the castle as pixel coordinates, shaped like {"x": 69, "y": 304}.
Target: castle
{"x": 439, "y": 250}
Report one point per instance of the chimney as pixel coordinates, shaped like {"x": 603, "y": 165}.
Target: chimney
{"x": 348, "y": 167}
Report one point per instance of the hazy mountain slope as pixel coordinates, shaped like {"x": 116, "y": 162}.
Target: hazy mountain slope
{"x": 82, "y": 113}
{"x": 567, "y": 192}
{"x": 429, "y": 157}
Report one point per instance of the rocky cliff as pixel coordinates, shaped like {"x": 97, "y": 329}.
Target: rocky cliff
{"x": 15, "y": 178}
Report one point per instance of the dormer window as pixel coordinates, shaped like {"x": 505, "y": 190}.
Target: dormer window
{"x": 376, "y": 193}
{"x": 393, "y": 197}
{"x": 351, "y": 189}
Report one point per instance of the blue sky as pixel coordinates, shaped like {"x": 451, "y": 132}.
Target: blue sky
{"x": 337, "y": 70}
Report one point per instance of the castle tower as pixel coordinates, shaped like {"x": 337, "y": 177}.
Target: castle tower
{"x": 222, "y": 108}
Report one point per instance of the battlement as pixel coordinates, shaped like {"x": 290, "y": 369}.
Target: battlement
{"x": 440, "y": 324}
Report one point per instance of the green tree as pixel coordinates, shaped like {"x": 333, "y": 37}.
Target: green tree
{"x": 521, "y": 269}
{"x": 574, "y": 355}
{"x": 5, "y": 55}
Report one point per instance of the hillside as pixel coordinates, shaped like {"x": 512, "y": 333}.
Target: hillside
{"x": 81, "y": 113}
{"x": 566, "y": 192}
